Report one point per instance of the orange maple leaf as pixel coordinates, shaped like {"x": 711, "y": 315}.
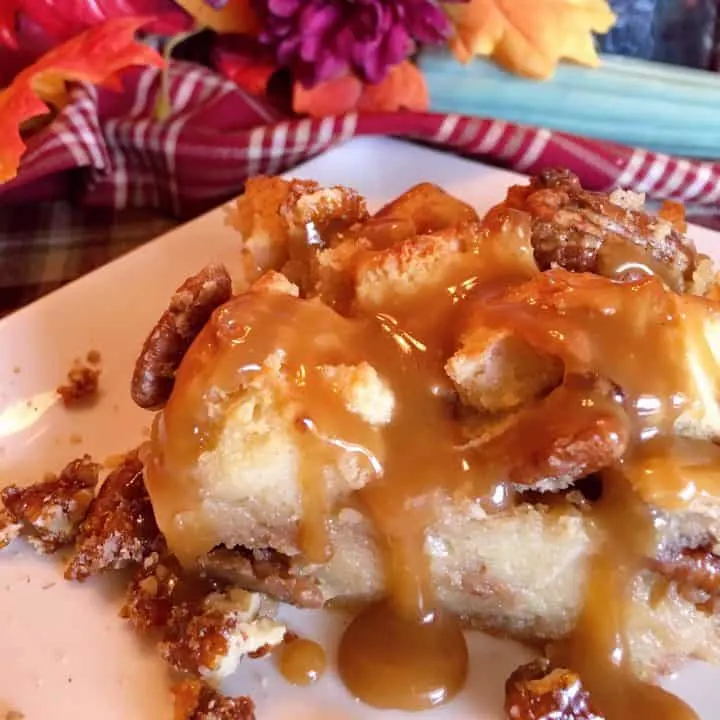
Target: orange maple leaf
{"x": 404, "y": 87}
{"x": 529, "y": 37}
{"x": 94, "y": 56}
{"x": 237, "y": 16}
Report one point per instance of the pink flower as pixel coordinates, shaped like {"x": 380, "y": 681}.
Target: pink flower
{"x": 322, "y": 39}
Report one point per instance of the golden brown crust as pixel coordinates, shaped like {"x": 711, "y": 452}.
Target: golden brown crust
{"x": 325, "y": 208}
{"x": 196, "y": 700}
{"x": 51, "y": 511}
{"x": 429, "y": 208}
{"x": 190, "y": 308}
{"x": 120, "y": 527}
{"x": 82, "y": 386}
{"x": 541, "y": 691}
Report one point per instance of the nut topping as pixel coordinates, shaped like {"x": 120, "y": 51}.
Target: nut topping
{"x": 541, "y": 691}
{"x": 190, "y": 308}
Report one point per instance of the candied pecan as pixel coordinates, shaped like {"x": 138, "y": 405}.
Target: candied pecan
{"x": 82, "y": 385}
{"x": 150, "y": 597}
{"x": 210, "y": 637}
{"x": 196, "y": 700}
{"x": 190, "y": 308}
{"x": 9, "y": 528}
{"x": 53, "y": 509}
{"x": 542, "y": 691}
{"x": 564, "y": 437}
{"x": 120, "y": 527}
{"x": 691, "y": 568}
{"x": 573, "y": 228}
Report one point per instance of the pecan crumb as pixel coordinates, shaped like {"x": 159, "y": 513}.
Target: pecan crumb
{"x": 9, "y": 528}
{"x": 189, "y": 310}
{"x": 94, "y": 357}
{"x": 543, "y": 691}
{"x": 196, "y": 700}
{"x": 120, "y": 527}
{"x": 52, "y": 510}
{"x": 82, "y": 385}
{"x": 149, "y": 599}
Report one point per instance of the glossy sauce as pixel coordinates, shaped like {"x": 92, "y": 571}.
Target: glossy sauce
{"x": 301, "y": 661}
{"x": 406, "y": 652}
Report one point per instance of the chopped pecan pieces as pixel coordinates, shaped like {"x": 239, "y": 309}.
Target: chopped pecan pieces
{"x": 584, "y": 231}
{"x": 149, "y": 602}
{"x": 205, "y": 628}
{"x": 120, "y": 527}
{"x": 210, "y": 638}
{"x": 52, "y": 510}
{"x": 691, "y": 568}
{"x": 196, "y": 700}
{"x": 9, "y": 528}
{"x": 82, "y": 385}
{"x": 542, "y": 691}
{"x": 190, "y": 308}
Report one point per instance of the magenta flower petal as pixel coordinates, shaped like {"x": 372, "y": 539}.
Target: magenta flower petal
{"x": 320, "y": 39}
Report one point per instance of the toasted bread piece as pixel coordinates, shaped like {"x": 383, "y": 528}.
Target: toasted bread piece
{"x": 493, "y": 370}
{"x": 429, "y": 208}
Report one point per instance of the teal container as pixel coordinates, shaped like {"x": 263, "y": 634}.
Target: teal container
{"x": 634, "y": 102}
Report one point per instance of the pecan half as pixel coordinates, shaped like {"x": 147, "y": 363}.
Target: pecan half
{"x": 190, "y": 308}
{"x": 582, "y": 231}
{"x": 691, "y": 568}
{"x": 542, "y": 691}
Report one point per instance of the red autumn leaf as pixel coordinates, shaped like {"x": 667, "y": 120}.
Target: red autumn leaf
{"x": 244, "y": 61}
{"x": 63, "y": 20}
{"x": 7, "y": 24}
{"x": 333, "y": 97}
{"x": 95, "y": 56}
{"x": 404, "y": 87}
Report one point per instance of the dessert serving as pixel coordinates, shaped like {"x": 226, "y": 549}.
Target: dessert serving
{"x": 430, "y": 421}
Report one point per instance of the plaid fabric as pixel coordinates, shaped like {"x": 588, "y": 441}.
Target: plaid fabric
{"x": 57, "y": 242}
{"x": 218, "y": 135}
{"x": 106, "y": 150}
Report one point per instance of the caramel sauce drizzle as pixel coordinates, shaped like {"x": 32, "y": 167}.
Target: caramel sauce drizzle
{"x": 407, "y": 652}
{"x": 301, "y": 661}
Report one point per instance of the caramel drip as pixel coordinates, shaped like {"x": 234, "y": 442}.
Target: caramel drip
{"x": 598, "y": 648}
{"x": 406, "y": 652}
{"x": 301, "y": 661}
{"x": 225, "y": 358}
{"x": 633, "y": 336}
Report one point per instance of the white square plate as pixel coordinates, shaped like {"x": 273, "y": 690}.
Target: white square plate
{"x": 64, "y": 654}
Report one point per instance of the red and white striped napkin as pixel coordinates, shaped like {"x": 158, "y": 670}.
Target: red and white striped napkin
{"x": 108, "y": 149}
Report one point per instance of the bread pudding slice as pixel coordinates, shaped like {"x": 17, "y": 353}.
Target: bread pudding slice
{"x": 419, "y": 405}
